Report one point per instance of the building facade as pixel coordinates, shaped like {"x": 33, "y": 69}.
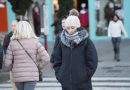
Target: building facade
{"x": 96, "y": 17}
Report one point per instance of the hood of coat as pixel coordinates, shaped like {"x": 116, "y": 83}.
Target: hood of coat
{"x": 71, "y": 40}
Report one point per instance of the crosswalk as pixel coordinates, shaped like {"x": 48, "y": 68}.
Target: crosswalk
{"x": 99, "y": 83}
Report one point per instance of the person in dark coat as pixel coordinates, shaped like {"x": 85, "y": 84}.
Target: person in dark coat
{"x": 6, "y": 44}
{"x": 8, "y": 36}
{"x": 57, "y": 39}
{"x": 59, "y": 25}
{"x": 75, "y": 57}
{"x": 109, "y": 11}
{"x": 37, "y": 19}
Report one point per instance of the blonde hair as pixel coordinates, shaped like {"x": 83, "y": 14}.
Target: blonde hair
{"x": 23, "y": 31}
{"x": 72, "y": 21}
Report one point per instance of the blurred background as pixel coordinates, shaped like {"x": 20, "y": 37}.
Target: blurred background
{"x": 42, "y": 14}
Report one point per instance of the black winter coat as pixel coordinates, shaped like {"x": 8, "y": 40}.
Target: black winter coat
{"x": 74, "y": 67}
{"x": 57, "y": 42}
{"x": 7, "y": 41}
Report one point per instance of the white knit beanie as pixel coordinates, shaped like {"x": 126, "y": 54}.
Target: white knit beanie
{"x": 72, "y": 21}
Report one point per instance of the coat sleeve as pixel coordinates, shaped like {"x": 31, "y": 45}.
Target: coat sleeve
{"x": 42, "y": 55}
{"x": 6, "y": 43}
{"x": 91, "y": 58}
{"x": 57, "y": 40}
{"x": 9, "y": 58}
{"x": 57, "y": 58}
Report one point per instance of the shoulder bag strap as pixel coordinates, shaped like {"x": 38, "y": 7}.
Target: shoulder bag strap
{"x": 28, "y": 53}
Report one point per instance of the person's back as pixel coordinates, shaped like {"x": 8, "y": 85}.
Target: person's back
{"x": 25, "y": 57}
{"x": 24, "y": 68}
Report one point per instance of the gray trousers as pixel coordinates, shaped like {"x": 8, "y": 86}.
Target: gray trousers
{"x": 116, "y": 46}
{"x": 25, "y": 85}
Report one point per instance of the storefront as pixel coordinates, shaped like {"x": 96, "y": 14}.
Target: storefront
{"x": 101, "y": 13}
{"x": 97, "y": 15}
{"x": 97, "y": 20}
{"x": 6, "y": 16}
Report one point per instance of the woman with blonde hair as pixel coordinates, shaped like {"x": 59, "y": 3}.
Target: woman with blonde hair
{"x": 25, "y": 55}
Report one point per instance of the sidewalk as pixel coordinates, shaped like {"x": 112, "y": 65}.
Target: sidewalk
{"x": 107, "y": 66}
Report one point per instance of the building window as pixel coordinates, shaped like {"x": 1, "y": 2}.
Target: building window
{"x": 104, "y": 10}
